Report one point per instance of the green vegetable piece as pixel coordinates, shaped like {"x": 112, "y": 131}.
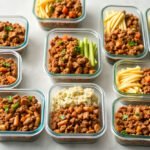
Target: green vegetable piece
{"x": 125, "y": 117}
{"x": 81, "y": 45}
{"x": 5, "y": 36}
{"x": 137, "y": 114}
{"x": 86, "y": 47}
{"x": 91, "y": 54}
{"x": 123, "y": 132}
{"x": 30, "y": 98}
{"x": 10, "y": 99}
{"x": 58, "y": 1}
{"x": 8, "y": 28}
{"x": 6, "y": 108}
{"x": 63, "y": 52}
{"x": 5, "y": 64}
{"x": 15, "y": 106}
{"x": 60, "y": 42}
{"x": 62, "y": 117}
{"x": 51, "y": 8}
{"x": 132, "y": 43}
{"x": 77, "y": 49}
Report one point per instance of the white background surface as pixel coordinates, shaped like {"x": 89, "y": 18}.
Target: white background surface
{"x": 35, "y": 77}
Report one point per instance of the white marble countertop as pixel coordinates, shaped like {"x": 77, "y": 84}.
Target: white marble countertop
{"x": 35, "y": 77}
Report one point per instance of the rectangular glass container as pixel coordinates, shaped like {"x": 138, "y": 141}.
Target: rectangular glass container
{"x": 134, "y": 140}
{"x": 112, "y": 58}
{"x": 14, "y": 55}
{"x": 50, "y": 23}
{"x": 27, "y": 135}
{"x": 76, "y": 138}
{"x": 78, "y": 33}
{"x": 22, "y": 21}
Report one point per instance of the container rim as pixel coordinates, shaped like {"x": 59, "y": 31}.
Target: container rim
{"x": 79, "y": 135}
{"x": 26, "y": 133}
{"x": 19, "y": 68}
{"x": 113, "y": 56}
{"x": 57, "y": 20}
{"x": 74, "y": 76}
{"x": 119, "y": 135}
{"x": 24, "y": 44}
{"x": 114, "y": 77}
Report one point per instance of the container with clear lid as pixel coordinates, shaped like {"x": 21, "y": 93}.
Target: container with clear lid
{"x": 123, "y": 64}
{"x": 21, "y": 21}
{"x": 14, "y": 55}
{"x": 50, "y": 23}
{"x": 76, "y": 137}
{"x": 112, "y": 58}
{"x": 24, "y": 135}
{"x": 127, "y": 139}
{"x": 79, "y": 34}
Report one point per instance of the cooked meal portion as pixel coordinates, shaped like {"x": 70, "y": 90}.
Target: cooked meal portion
{"x": 133, "y": 120}
{"x": 123, "y": 34}
{"x": 68, "y": 9}
{"x": 19, "y": 113}
{"x": 8, "y": 71}
{"x": 133, "y": 80}
{"x": 75, "y": 110}
{"x": 11, "y": 34}
{"x": 69, "y": 55}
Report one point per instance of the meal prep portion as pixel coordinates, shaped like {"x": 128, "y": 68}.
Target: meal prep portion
{"x": 69, "y": 55}
{"x": 11, "y": 34}
{"x": 58, "y": 9}
{"x": 8, "y": 71}
{"x": 133, "y": 120}
{"x": 75, "y": 110}
{"x": 133, "y": 80}
{"x": 19, "y": 113}
{"x": 122, "y": 33}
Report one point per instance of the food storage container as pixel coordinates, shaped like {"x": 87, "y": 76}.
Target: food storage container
{"x": 130, "y": 64}
{"x": 22, "y": 21}
{"x": 148, "y": 26}
{"x": 50, "y": 23}
{"x": 18, "y": 59}
{"x": 112, "y": 58}
{"x": 76, "y": 138}
{"x": 129, "y": 139}
{"x": 80, "y": 34}
{"x": 26, "y": 135}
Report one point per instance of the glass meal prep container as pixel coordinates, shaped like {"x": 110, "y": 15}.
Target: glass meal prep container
{"x": 14, "y": 55}
{"x": 122, "y": 64}
{"x": 76, "y": 137}
{"x": 148, "y": 26}
{"x": 26, "y": 135}
{"x": 22, "y": 21}
{"x": 112, "y": 58}
{"x": 50, "y": 23}
{"x": 80, "y": 34}
{"x": 127, "y": 139}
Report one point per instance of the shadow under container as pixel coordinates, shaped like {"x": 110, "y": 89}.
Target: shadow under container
{"x": 122, "y": 64}
{"x": 26, "y": 136}
{"x": 21, "y": 21}
{"x": 147, "y": 15}
{"x": 79, "y": 34}
{"x": 76, "y": 137}
{"x": 112, "y": 58}
{"x": 15, "y": 56}
{"x": 51, "y": 23}
{"x": 133, "y": 140}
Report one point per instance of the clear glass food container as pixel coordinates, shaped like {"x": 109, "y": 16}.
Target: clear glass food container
{"x": 112, "y": 58}
{"x": 22, "y": 21}
{"x": 14, "y": 55}
{"x": 130, "y": 64}
{"x": 147, "y": 15}
{"x": 76, "y": 138}
{"x": 27, "y": 135}
{"x": 80, "y": 34}
{"x": 50, "y": 23}
{"x": 133, "y": 140}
